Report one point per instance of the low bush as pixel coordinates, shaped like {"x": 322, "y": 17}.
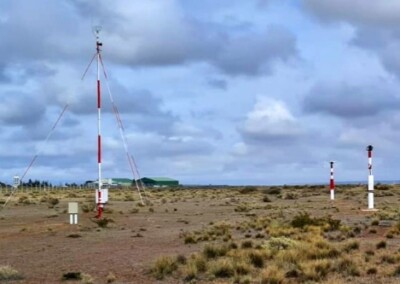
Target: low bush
{"x": 290, "y": 196}
{"x": 222, "y": 268}
{"x": 24, "y": 200}
{"x": 111, "y": 277}
{"x": 242, "y": 208}
{"x": 266, "y": 199}
{"x": 163, "y": 266}
{"x": 190, "y": 239}
{"x": 347, "y": 267}
{"x": 256, "y": 259}
{"x": 381, "y": 245}
{"x": 375, "y": 222}
{"x": 241, "y": 267}
{"x": 213, "y": 251}
{"x": 272, "y": 275}
{"x": 88, "y": 207}
{"x": 53, "y": 201}
{"x": 302, "y": 219}
{"x": 272, "y": 190}
{"x": 247, "y": 244}
{"x": 352, "y": 245}
{"x": 181, "y": 259}
{"x": 280, "y": 243}
{"x": 396, "y": 271}
{"x": 103, "y": 223}
{"x": 391, "y": 259}
{"x": 190, "y": 271}
{"x": 72, "y": 276}
{"x": 8, "y": 273}
{"x": 316, "y": 270}
{"x": 87, "y": 279}
{"x": 248, "y": 189}
{"x": 74, "y": 236}
{"x": 382, "y": 187}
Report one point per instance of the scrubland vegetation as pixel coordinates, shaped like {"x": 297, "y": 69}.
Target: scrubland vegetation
{"x": 287, "y": 234}
{"x": 303, "y": 247}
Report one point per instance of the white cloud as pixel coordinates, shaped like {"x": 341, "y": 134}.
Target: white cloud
{"x": 240, "y": 149}
{"x": 385, "y": 12}
{"x": 376, "y": 25}
{"x": 185, "y": 74}
{"x": 270, "y": 119}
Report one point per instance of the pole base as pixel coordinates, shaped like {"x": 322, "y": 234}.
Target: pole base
{"x": 369, "y": 210}
{"x": 99, "y": 211}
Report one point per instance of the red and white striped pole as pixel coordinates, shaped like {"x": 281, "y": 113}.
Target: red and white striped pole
{"x": 332, "y": 182}
{"x": 100, "y": 184}
{"x": 370, "y": 179}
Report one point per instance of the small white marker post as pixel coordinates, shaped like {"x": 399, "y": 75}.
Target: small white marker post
{"x": 73, "y": 212}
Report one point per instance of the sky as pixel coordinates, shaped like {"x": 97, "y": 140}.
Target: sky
{"x": 255, "y": 92}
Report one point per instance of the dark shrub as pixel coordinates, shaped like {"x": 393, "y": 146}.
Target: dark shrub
{"x": 72, "y": 276}
{"x": 301, "y": 220}
{"x": 381, "y": 245}
{"x": 272, "y": 190}
{"x": 248, "y": 189}
{"x": 266, "y": 199}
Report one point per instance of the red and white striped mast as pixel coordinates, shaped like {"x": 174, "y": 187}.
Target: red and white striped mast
{"x": 370, "y": 179}
{"x": 99, "y": 192}
{"x": 101, "y": 196}
{"x": 332, "y": 182}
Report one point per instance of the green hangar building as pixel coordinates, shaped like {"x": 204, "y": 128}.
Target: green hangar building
{"x": 159, "y": 181}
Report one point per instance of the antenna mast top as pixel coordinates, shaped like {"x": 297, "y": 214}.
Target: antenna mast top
{"x": 96, "y": 32}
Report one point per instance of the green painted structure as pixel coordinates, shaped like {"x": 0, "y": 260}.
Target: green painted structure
{"x": 121, "y": 181}
{"x": 112, "y": 182}
{"x": 159, "y": 181}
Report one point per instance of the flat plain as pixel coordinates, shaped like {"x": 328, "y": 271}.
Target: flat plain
{"x": 287, "y": 234}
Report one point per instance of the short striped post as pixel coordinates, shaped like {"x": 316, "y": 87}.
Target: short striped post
{"x": 370, "y": 179}
{"x": 332, "y": 182}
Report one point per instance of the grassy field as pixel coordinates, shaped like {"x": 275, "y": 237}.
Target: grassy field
{"x": 288, "y": 234}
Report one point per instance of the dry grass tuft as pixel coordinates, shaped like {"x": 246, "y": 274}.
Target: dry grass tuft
{"x": 111, "y": 277}
{"x": 8, "y": 273}
{"x": 272, "y": 275}
{"x": 316, "y": 270}
{"x": 214, "y": 250}
{"x": 164, "y": 266}
{"x": 87, "y": 279}
{"x": 222, "y": 268}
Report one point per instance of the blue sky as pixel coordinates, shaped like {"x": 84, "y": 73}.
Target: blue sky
{"x": 210, "y": 92}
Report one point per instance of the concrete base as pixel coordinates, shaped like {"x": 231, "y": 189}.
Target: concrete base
{"x": 369, "y": 210}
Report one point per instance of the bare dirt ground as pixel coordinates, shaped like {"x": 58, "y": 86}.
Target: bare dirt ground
{"x": 37, "y": 240}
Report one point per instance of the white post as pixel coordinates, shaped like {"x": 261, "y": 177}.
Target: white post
{"x": 370, "y": 179}
{"x": 332, "y": 183}
{"x": 371, "y": 192}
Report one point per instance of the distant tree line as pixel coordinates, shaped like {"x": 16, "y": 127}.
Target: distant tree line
{"x": 37, "y": 183}
{"x": 44, "y": 183}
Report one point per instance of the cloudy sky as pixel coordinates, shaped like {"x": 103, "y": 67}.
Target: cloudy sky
{"x": 210, "y": 92}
